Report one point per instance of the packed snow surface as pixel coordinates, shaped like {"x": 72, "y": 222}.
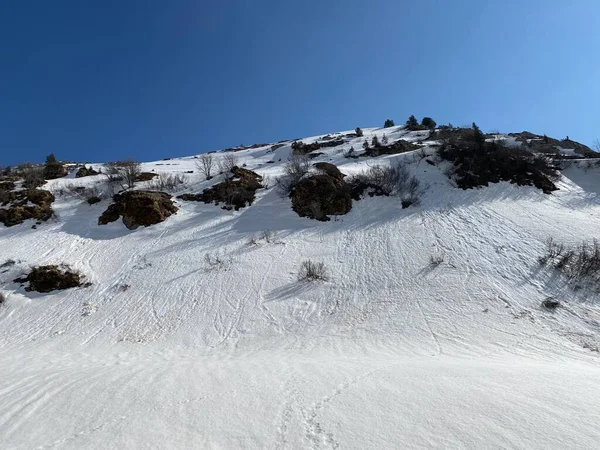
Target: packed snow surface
{"x": 164, "y": 350}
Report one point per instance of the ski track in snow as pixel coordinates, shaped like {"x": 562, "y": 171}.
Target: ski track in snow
{"x": 163, "y": 351}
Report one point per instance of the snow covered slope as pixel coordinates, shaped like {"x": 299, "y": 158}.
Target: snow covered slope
{"x": 165, "y": 351}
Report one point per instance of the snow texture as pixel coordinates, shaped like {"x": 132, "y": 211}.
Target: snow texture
{"x": 167, "y": 351}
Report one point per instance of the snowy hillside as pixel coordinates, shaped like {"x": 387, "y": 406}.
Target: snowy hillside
{"x": 429, "y": 332}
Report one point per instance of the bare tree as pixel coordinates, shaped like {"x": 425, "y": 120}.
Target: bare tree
{"x": 227, "y": 163}
{"x": 204, "y": 164}
{"x": 296, "y": 168}
{"x": 596, "y": 145}
{"x": 123, "y": 172}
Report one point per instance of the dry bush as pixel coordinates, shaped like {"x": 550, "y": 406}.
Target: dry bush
{"x": 216, "y": 261}
{"x": 435, "y": 260}
{"x": 388, "y": 181}
{"x": 78, "y": 192}
{"x": 124, "y": 173}
{"x": 579, "y": 263}
{"x": 33, "y": 176}
{"x": 295, "y": 169}
{"x": 267, "y": 236}
{"x": 205, "y": 164}
{"x": 312, "y": 271}
{"x": 168, "y": 182}
{"x": 227, "y": 163}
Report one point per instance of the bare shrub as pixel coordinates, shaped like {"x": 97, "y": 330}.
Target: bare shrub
{"x": 579, "y": 263}
{"x": 123, "y": 172}
{"x": 168, "y": 182}
{"x": 227, "y": 163}
{"x": 295, "y": 169}
{"x": 78, "y": 192}
{"x": 266, "y": 181}
{"x": 267, "y": 236}
{"x": 436, "y": 260}
{"x": 216, "y": 261}
{"x": 33, "y": 176}
{"x": 389, "y": 181}
{"x": 312, "y": 271}
{"x": 205, "y": 164}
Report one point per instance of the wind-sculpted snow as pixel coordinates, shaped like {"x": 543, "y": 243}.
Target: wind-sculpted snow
{"x": 196, "y": 332}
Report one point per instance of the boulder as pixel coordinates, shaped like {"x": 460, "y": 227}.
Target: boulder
{"x": 139, "y": 208}
{"x": 51, "y": 278}
{"x": 320, "y": 196}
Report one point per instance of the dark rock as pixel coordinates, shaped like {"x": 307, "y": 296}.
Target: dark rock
{"x": 550, "y": 303}
{"x": 145, "y": 176}
{"x": 51, "y": 278}
{"x": 85, "y": 172}
{"x": 397, "y": 147}
{"x": 139, "y": 208}
{"x": 93, "y": 200}
{"x": 329, "y": 169}
{"x": 236, "y": 192}
{"x": 19, "y": 207}
{"x": 320, "y": 196}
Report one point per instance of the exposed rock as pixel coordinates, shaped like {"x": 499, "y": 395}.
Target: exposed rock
{"x": 20, "y": 207}
{"x": 320, "y": 196}
{"x": 477, "y": 165}
{"x": 139, "y": 208}
{"x": 300, "y": 148}
{"x": 85, "y": 172}
{"x": 236, "y": 192}
{"x": 145, "y": 176}
{"x": 545, "y": 144}
{"x": 51, "y": 278}
{"x": 93, "y": 200}
{"x": 400, "y": 146}
{"x": 550, "y": 303}
{"x": 329, "y": 169}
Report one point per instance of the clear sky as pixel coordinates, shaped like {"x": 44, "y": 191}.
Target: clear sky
{"x": 149, "y": 79}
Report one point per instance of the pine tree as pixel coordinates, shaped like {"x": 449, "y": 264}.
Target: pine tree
{"x": 366, "y": 144}
{"x": 53, "y": 168}
{"x": 384, "y": 140}
{"x": 412, "y": 122}
{"x": 478, "y": 136}
{"x": 375, "y": 141}
{"x": 428, "y": 122}
{"x": 388, "y": 123}
{"x": 358, "y": 132}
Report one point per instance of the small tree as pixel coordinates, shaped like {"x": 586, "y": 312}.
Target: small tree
{"x": 53, "y": 169}
{"x": 478, "y": 135}
{"x": 124, "y": 173}
{"x": 375, "y": 141}
{"x": 296, "y": 168}
{"x": 428, "y": 122}
{"x": 412, "y": 122}
{"x": 596, "y": 145}
{"x": 227, "y": 163}
{"x": 358, "y": 132}
{"x": 366, "y": 144}
{"x": 384, "y": 140}
{"x": 204, "y": 164}
{"x": 388, "y": 123}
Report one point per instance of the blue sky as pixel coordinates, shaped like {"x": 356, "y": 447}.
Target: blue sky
{"x": 97, "y": 81}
